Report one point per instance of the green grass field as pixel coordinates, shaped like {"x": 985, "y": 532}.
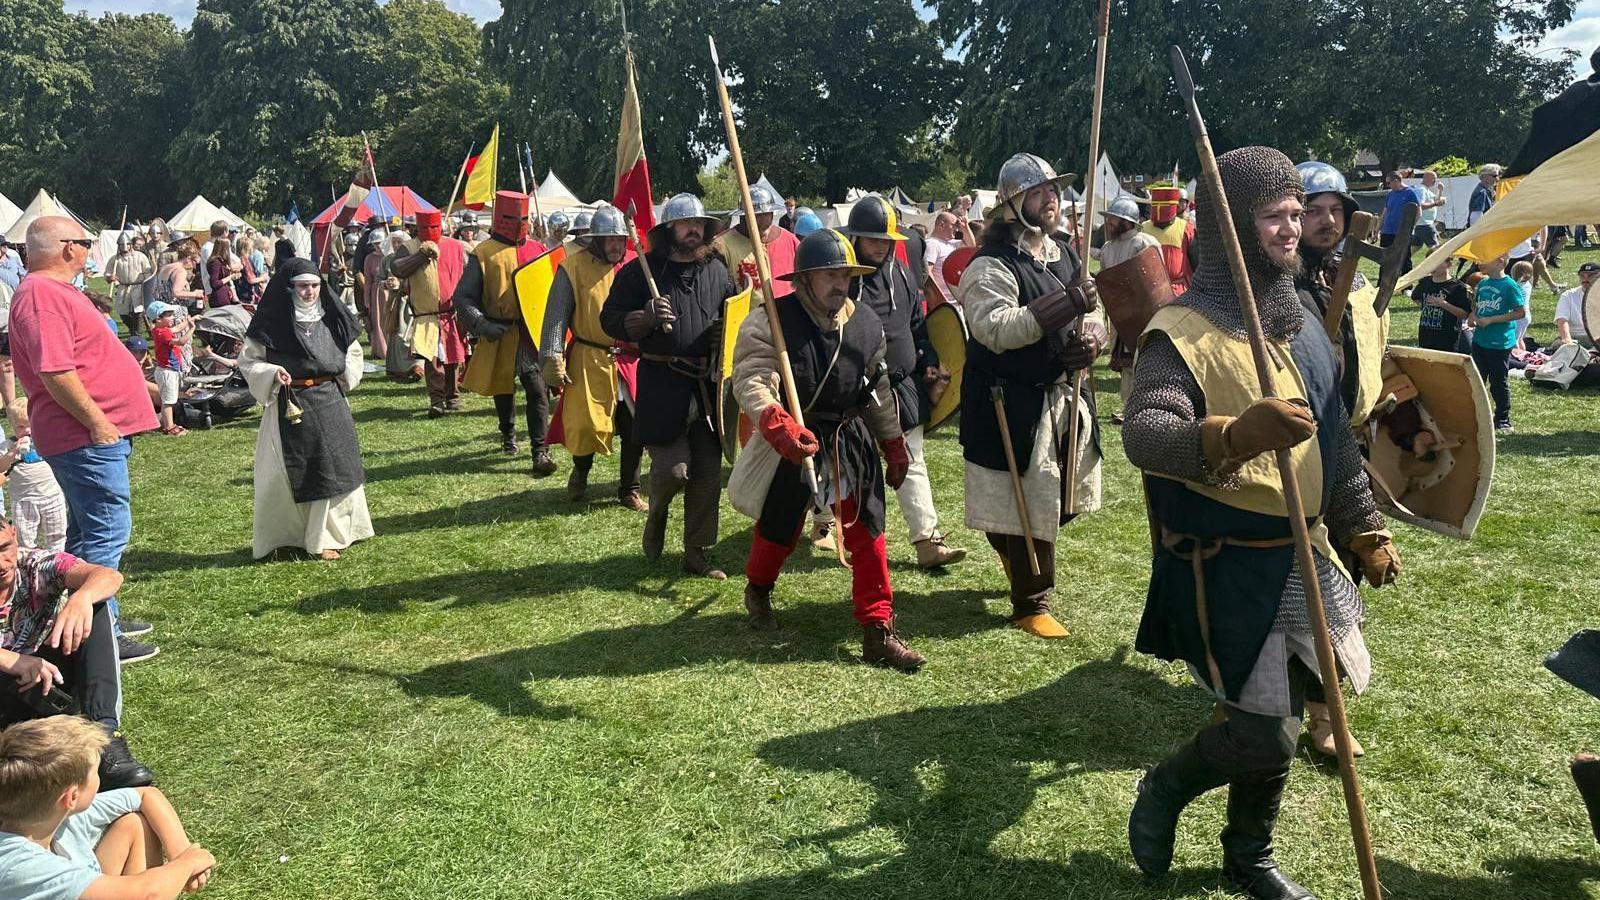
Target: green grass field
{"x": 498, "y": 698}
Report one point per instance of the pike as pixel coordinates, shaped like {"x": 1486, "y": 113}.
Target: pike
{"x": 460, "y": 174}
{"x": 527, "y": 154}
{"x": 808, "y": 466}
{"x": 1359, "y": 829}
{"x": 1080, "y": 378}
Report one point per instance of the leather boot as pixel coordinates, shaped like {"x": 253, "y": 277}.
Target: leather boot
{"x": 1586, "y": 775}
{"x": 577, "y": 483}
{"x": 631, "y": 499}
{"x": 695, "y": 563}
{"x": 1319, "y": 727}
{"x": 1035, "y": 618}
{"x": 1247, "y": 841}
{"x": 655, "y": 531}
{"x": 1160, "y": 797}
{"x": 508, "y": 443}
{"x": 934, "y": 553}
{"x": 758, "y": 607}
{"x": 543, "y": 464}
{"x": 880, "y": 646}
{"x": 822, "y": 538}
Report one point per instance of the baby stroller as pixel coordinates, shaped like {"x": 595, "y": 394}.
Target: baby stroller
{"x": 215, "y": 391}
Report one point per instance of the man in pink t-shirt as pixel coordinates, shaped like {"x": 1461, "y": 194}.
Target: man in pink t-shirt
{"x": 87, "y": 396}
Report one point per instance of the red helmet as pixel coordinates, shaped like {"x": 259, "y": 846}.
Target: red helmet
{"x": 430, "y": 225}
{"x": 956, "y": 264}
{"x": 510, "y": 217}
{"x": 1164, "y": 204}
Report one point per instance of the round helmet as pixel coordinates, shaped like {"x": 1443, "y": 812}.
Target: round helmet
{"x": 805, "y": 222}
{"x": 1321, "y": 178}
{"x": 764, "y": 201}
{"x": 874, "y": 217}
{"x": 681, "y": 207}
{"x": 351, "y": 239}
{"x": 1124, "y": 208}
{"x": 826, "y": 249}
{"x": 469, "y": 219}
{"x": 607, "y": 221}
{"x": 559, "y": 221}
{"x": 1022, "y": 173}
{"x": 124, "y": 241}
{"x": 582, "y": 222}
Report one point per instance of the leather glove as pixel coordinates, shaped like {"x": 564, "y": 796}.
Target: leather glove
{"x": 1265, "y": 425}
{"x": 638, "y": 324}
{"x": 661, "y": 314}
{"x": 786, "y": 436}
{"x": 897, "y": 462}
{"x": 1078, "y": 351}
{"x": 429, "y": 249}
{"x": 1057, "y": 309}
{"x": 1379, "y": 557}
{"x": 491, "y": 331}
{"x": 553, "y": 369}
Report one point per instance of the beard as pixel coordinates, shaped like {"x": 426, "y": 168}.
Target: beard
{"x": 1290, "y": 264}
{"x": 689, "y": 243}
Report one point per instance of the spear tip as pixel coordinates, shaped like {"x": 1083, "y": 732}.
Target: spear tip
{"x": 714, "y": 60}
{"x": 1180, "y": 71}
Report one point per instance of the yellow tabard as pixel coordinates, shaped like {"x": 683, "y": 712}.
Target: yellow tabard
{"x": 588, "y": 402}
{"x": 1372, "y": 335}
{"x": 493, "y": 369}
{"x": 423, "y": 288}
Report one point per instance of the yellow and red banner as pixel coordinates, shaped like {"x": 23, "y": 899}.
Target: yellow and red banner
{"x": 481, "y": 182}
{"x": 633, "y": 170}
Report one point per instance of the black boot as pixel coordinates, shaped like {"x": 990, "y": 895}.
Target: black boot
{"x": 1160, "y": 797}
{"x": 577, "y": 483}
{"x": 543, "y": 464}
{"x": 118, "y": 768}
{"x": 1247, "y": 841}
{"x": 1586, "y": 775}
{"x": 758, "y": 605}
{"x": 508, "y": 443}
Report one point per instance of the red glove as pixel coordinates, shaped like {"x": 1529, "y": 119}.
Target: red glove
{"x": 897, "y": 462}
{"x": 786, "y": 436}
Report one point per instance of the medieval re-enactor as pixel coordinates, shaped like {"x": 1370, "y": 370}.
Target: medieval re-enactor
{"x": 301, "y": 357}
{"x": 1024, "y": 296}
{"x": 128, "y": 271}
{"x": 1224, "y": 592}
{"x": 678, "y": 334}
{"x": 836, "y": 349}
{"x": 1174, "y": 232}
{"x": 430, "y": 269}
{"x": 399, "y": 362}
{"x": 896, "y": 296}
{"x": 596, "y": 403}
{"x": 505, "y": 356}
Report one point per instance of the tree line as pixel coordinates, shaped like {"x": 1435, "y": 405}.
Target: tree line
{"x": 260, "y": 103}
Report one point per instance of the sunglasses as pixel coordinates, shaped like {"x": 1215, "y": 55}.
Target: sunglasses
{"x": 85, "y": 243}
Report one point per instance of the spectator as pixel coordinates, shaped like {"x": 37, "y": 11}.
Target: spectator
{"x": 10, "y": 266}
{"x": 1446, "y": 304}
{"x": 61, "y": 835}
{"x": 176, "y": 278}
{"x": 949, "y": 232}
{"x": 1483, "y": 195}
{"x": 254, "y": 272}
{"x": 1496, "y": 310}
{"x": 38, "y": 507}
{"x": 789, "y": 216}
{"x": 220, "y": 269}
{"x": 1522, "y": 274}
{"x": 105, "y": 306}
{"x": 1431, "y": 190}
{"x": 170, "y": 338}
{"x": 87, "y": 398}
{"x": 219, "y": 230}
{"x": 1400, "y": 196}
{"x": 1569, "y": 309}
{"x": 282, "y": 252}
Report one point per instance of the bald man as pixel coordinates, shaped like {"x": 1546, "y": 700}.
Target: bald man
{"x": 88, "y": 396}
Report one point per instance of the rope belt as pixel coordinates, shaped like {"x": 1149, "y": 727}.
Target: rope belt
{"x": 1203, "y": 550}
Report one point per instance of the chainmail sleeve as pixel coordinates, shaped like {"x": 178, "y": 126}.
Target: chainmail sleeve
{"x": 1161, "y": 425}
{"x": 1351, "y": 508}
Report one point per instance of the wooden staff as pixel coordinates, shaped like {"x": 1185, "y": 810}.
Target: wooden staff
{"x": 1293, "y": 507}
{"x": 1081, "y": 377}
{"x": 460, "y": 174}
{"x": 997, "y": 393}
{"x": 808, "y": 467}
{"x": 649, "y": 276}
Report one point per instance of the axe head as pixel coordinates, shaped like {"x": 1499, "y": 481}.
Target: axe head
{"x": 1392, "y": 260}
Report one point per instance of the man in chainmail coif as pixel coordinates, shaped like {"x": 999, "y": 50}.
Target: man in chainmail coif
{"x": 1224, "y": 592}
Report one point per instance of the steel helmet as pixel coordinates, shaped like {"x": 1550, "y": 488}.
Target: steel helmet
{"x": 874, "y": 217}
{"x": 558, "y": 221}
{"x": 826, "y": 249}
{"x": 1124, "y": 208}
{"x": 764, "y": 200}
{"x": 681, "y": 207}
{"x": 1321, "y": 178}
{"x": 1022, "y": 173}
{"x": 607, "y": 221}
{"x": 124, "y": 241}
{"x": 805, "y": 222}
{"x": 469, "y": 219}
{"x": 581, "y": 222}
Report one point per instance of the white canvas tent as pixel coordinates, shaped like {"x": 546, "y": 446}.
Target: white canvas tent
{"x": 300, "y": 236}
{"x": 9, "y": 212}
{"x": 554, "y": 196}
{"x": 105, "y": 247}
{"x": 763, "y": 182}
{"x": 43, "y": 205}
{"x": 198, "y": 216}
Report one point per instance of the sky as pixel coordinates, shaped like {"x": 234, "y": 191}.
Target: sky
{"x": 1581, "y": 34}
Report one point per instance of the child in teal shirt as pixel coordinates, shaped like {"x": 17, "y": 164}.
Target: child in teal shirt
{"x": 1500, "y": 303}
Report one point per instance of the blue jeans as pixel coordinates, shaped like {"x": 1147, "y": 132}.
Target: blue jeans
{"x": 94, "y": 480}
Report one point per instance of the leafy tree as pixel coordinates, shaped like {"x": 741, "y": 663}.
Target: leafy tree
{"x": 281, "y": 86}
{"x": 44, "y": 81}
{"x": 563, "y": 62}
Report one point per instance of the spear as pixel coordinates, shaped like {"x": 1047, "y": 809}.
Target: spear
{"x": 1080, "y": 378}
{"x": 462, "y": 173}
{"x": 808, "y": 467}
{"x": 1293, "y": 507}
{"x": 527, "y": 154}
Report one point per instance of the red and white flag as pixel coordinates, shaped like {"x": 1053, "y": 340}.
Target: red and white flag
{"x": 633, "y": 170}
{"x": 360, "y": 186}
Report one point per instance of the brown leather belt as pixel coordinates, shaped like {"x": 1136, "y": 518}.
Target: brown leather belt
{"x": 311, "y": 382}
{"x": 1203, "y": 550}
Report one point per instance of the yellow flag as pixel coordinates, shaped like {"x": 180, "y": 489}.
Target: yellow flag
{"x": 734, "y": 311}
{"x": 481, "y": 183}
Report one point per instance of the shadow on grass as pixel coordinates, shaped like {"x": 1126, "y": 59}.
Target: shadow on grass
{"x": 811, "y": 632}
{"x": 144, "y": 562}
{"x": 948, "y": 781}
{"x": 1517, "y": 878}
{"x": 1559, "y": 443}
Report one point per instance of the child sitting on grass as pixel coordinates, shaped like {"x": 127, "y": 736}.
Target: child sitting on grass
{"x": 60, "y": 840}
{"x": 171, "y": 339}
